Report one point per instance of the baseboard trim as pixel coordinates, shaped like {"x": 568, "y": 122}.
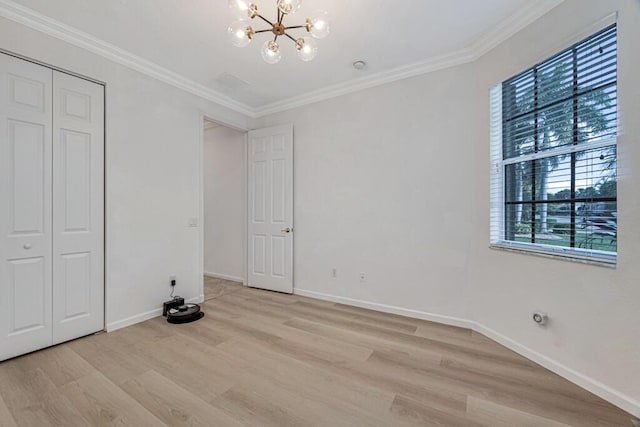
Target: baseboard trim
{"x": 196, "y": 300}
{"x": 612, "y": 396}
{"x": 224, "y": 276}
{"x": 130, "y": 321}
{"x": 432, "y": 317}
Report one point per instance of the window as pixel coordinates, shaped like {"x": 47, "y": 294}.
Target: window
{"x": 553, "y": 154}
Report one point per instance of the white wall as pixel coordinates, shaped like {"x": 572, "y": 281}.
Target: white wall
{"x": 377, "y": 191}
{"x": 368, "y": 168}
{"x": 394, "y": 181}
{"x": 224, "y": 202}
{"x": 153, "y": 152}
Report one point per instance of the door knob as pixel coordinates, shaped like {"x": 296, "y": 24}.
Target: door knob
{"x": 27, "y": 246}
{"x": 287, "y": 230}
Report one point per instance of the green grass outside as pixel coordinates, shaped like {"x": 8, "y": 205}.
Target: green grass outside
{"x": 582, "y": 241}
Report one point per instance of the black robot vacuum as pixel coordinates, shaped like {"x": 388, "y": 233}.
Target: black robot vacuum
{"x": 184, "y": 313}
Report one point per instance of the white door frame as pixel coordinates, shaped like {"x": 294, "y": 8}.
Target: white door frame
{"x": 104, "y": 160}
{"x": 267, "y": 148}
{"x": 245, "y": 129}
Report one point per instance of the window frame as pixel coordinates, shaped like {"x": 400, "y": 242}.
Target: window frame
{"x": 498, "y": 171}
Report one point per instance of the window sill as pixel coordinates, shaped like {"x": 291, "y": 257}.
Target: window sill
{"x": 609, "y": 262}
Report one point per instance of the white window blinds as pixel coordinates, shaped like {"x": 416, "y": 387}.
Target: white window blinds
{"x": 553, "y": 154}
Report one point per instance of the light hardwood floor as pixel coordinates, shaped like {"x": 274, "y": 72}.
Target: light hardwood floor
{"x": 214, "y": 287}
{"x": 265, "y": 359}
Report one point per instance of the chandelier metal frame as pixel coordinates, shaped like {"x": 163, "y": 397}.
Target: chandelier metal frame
{"x": 277, "y": 28}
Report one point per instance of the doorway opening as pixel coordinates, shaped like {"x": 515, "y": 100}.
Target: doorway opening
{"x": 224, "y": 209}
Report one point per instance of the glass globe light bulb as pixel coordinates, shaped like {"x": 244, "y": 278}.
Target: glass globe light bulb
{"x": 320, "y": 27}
{"x": 240, "y": 33}
{"x": 289, "y": 6}
{"x": 271, "y": 52}
{"x": 307, "y": 48}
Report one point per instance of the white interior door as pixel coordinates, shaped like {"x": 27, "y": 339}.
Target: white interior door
{"x": 25, "y": 206}
{"x": 270, "y": 218}
{"x": 78, "y": 198}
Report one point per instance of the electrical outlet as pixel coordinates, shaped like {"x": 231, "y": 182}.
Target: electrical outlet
{"x": 334, "y": 273}
{"x": 193, "y": 222}
{"x": 363, "y": 277}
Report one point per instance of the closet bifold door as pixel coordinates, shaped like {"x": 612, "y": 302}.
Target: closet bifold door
{"x": 25, "y": 206}
{"x": 78, "y": 206}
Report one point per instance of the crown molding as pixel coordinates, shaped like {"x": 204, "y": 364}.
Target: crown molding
{"x": 30, "y": 18}
{"x": 516, "y": 22}
{"x": 399, "y": 73}
{"x": 39, "y": 22}
{"x": 512, "y": 25}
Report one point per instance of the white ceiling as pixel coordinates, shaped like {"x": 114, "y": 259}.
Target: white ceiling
{"x": 188, "y": 37}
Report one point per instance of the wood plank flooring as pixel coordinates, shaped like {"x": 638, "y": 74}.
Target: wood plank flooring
{"x": 265, "y": 359}
{"x": 214, "y": 287}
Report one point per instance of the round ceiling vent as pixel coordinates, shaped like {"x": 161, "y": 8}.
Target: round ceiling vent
{"x": 359, "y": 65}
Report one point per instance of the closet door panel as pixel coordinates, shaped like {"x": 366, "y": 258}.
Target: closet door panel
{"x": 78, "y": 249}
{"x": 25, "y": 207}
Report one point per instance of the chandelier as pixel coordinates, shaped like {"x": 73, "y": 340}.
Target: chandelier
{"x": 241, "y": 32}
